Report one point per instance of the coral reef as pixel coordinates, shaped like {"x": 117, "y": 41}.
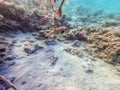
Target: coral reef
{"x": 16, "y": 17}
{"x": 12, "y": 17}
{"x": 111, "y": 23}
{"x": 5, "y": 49}
{"x": 88, "y": 16}
{"x": 106, "y": 43}
{"x": 47, "y": 44}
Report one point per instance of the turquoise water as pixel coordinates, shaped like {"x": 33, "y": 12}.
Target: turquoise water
{"x": 92, "y": 11}
{"x": 107, "y": 5}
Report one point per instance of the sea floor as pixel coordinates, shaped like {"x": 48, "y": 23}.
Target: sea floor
{"x": 52, "y": 68}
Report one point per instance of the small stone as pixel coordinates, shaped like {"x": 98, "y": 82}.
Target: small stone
{"x": 117, "y": 66}
{"x": 2, "y": 55}
{"x": 2, "y": 38}
{"x": 28, "y": 50}
{"x": 24, "y": 82}
{"x": 80, "y": 36}
{"x": 76, "y": 43}
{"x": 50, "y": 42}
{"x": 12, "y": 79}
{"x": 37, "y": 47}
{"x": 81, "y": 55}
{"x": 34, "y": 34}
{"x": 12, "y": 42}
{"x": 1, "y": 60}
{"x": 12, "y": 63}
{"x": 2, "y": 48}
{"x": 39, "y": 85}
{"x": 9, "y": 57}
{"x": 89, "y": 71}
{"x": 53, "y": 60}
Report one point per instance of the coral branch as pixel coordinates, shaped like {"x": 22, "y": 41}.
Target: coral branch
{"x": 7, "y": 82}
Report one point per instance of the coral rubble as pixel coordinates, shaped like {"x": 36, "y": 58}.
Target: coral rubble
{"x": 106, "y": 43}
{"x": 5, "y": 49}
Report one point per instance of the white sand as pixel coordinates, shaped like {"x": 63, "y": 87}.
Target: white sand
{"x": 69, "y": 72}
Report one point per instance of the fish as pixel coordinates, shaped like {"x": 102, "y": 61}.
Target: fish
{"x": 43, "y": 7}
{"x": 48, "y": 1}
{"x": 59, "y": 12}
{"x": 56, "y": 30}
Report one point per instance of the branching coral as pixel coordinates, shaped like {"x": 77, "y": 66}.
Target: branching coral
{"x": 8, "y": 82}
{"x": 55, "y": 14}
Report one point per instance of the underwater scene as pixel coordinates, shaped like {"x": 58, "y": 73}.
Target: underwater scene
{"x": 59, "y": 44}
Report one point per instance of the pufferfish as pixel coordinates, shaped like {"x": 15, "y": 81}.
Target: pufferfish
{"x": 48, "y": 1}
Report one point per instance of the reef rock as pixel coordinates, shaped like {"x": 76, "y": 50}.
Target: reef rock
{"x": 31, "y": 48}
{"x": 5, "y": 51}
{"x": 76, "y": 43}
{"x": 76, "y": 35}
{"x": 111, "y": 23}
{"x": 106, "y": 43}
{"x": 50, "y": 42}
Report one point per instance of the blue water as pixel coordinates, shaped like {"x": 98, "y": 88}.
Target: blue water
{"x": 92, "y": 11}
{"x": 107, "y": 5}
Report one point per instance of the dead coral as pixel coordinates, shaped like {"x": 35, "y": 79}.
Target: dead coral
{"x": 12, "y": 16}
{"x": 106, "y": 43}
{"x": 6, "y": 81}
{"x": 11, "y": 11}
{"x": 5, "y": 51}
{"x": 111, "y": 23}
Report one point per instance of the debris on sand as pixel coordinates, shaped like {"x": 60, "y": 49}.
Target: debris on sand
{"x": 7, "y": 83}
{"x": 50, "y": 42}
{"x": 32, "y": 48}
{"x": 76, "y": 43}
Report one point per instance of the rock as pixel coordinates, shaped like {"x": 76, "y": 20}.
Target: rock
{"x": 71, "y": 34}
{"x": 34, "y": 34}
{"x": 2, "y": 48}
{"x": 105, "y": 43}
{"x": 117, "y": 66}
{"x": 1, "y": 60}
{"x": 12, "y": 79}
{"x": 53, "y": 60}
{"x": 39, "y": 27}
{"x": 12, "y": 42}
{"x": 42, "y": 33}
{"x": 50, "y": 42}
{"x": 44, "y": 20}
{"x": 30, "y": 49}
{"x": 81, "y": 36}
{"x": 2, "y": 38}
{"x": 5, "y": 50}
{"x": 89, "y": 71}
{"x": 111, "y": 23}
{"x": 72, "y": 51}
{"x": 76, "y": 43}
{"x": 37, "y": 47}
{"x": 9, "y": 57}
{"x": 11, "y": 63}
{"x": 24, "y": 82}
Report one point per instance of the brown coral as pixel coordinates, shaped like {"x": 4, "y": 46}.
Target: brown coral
{"x": 106, "y": 42}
